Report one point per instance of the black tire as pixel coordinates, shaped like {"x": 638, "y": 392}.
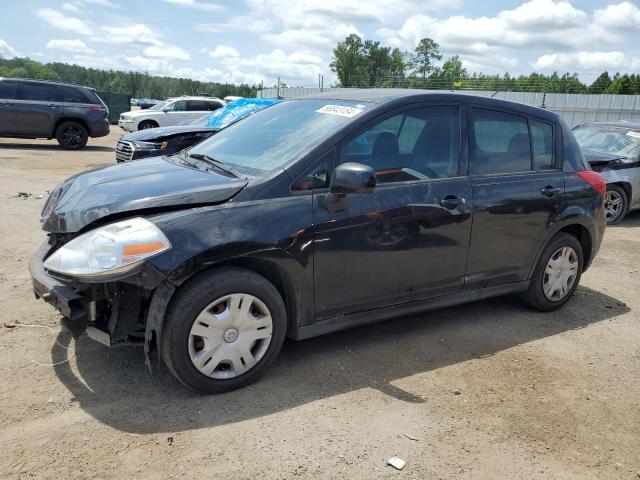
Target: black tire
{"x": 147, "y": 124}
{"x": 72, "y": 135}
{"x": 619, "y": 191}
{"x": 535, "y": 297}
{"x": 193, "y": 298}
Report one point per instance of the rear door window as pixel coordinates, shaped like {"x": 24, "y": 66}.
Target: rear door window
{"x": 500, "y": 144}
{"x": 8, "y": 90}
{"x": 39, "y": 92}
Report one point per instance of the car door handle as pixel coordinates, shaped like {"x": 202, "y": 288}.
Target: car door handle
{"x": 450, "y": 202}
{"x": 550, "y": 191}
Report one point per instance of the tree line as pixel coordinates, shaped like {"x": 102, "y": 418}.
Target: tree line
{"x": 360, "y": 63}
{"x": 135, "y": 84}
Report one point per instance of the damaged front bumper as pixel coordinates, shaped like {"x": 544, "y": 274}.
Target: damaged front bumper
{"x": 125, "y": 310}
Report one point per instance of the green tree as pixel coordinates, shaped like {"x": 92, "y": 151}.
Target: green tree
{"x": 423, "y": 57}
{"x": 602, "y": 83}
{"x": 349, "y": 62}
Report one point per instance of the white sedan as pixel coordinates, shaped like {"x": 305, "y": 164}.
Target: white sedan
{"x": 169, "y": 113}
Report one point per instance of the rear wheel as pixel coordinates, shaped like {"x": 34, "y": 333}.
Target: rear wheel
{"x": 72, "y": 135}
{"x": 147, "y": 124}
{"x": 223, "y": 330}
{"x": 557, "y": 274}
{"x": 615, "y": 204}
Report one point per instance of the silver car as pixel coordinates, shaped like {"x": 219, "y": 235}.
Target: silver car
{"x": 613, "y": 149}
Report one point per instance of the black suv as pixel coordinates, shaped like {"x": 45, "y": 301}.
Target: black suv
{"x": 42, "y": 109}
{"x": 316, "y": 215}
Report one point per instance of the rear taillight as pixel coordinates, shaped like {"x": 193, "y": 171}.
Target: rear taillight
{"x": 596, "y": 181}
{"x": 98, "y": 108}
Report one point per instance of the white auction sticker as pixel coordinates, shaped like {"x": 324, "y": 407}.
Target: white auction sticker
{"x": 340, "y": 110}
{"x": 633, "y": 134}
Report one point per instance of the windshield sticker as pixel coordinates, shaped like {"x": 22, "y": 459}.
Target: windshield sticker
{"x": 633, "y": 134}
{"x": 340, "y": 110}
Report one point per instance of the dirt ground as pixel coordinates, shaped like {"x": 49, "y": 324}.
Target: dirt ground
{"x": 487, "y": 390}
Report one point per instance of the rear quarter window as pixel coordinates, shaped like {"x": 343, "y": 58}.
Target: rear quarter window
{"x": 62, "y": 93}
{"x": 542, "y": 145}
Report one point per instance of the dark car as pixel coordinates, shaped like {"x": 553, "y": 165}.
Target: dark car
{"x": 151, "y": 142}
{"x": 41, "y": 109}
{"x": 280, "y": 226}
{"x": 145, "y": 103}
{"x": 613, "y": 149}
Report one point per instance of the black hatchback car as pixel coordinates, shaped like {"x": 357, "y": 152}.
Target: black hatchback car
{"x": 317, "y": 215}
{"x": 41, "y": 109}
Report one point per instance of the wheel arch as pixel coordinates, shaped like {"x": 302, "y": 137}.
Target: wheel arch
{"x": 140, "y": 122}
{"x": 577, "y": 226}
{"x": 61, "y": 120}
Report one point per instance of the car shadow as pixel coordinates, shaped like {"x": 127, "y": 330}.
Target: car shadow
{"x": 630, "y": 220}
{"x": 115, "y": 387}
{"x": 53, "y": 146}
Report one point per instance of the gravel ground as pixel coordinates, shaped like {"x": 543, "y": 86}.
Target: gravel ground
{"x": 486, "y": 390}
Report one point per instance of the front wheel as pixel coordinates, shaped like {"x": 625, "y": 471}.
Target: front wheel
{"x": 146, "y": 124}
{"x": 615, "y": 204}
{"x": 557, "y": 274}
{"x": 223, "y": 330}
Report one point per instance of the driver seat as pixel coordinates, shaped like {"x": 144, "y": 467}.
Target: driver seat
{"x": 385, "y": 152}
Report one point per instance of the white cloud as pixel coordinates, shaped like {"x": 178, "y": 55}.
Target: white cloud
{"x": 209, "y": 7}
{"x": 7, "y": 50}
{"x": 167, "y": 51}
{"x": 592, "y": 62}
{"x": 70, "y": 7}
{"x": 62, "y": 22}
{"x": 293, "y": 67}
{"x": 223, "y": 51}
{"x": 137, "y": 33}
{"x": 623, "y": 15}
{"x": 75, "y": 45}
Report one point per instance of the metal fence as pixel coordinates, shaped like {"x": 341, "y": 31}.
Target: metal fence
{"x": 574, "y": 108}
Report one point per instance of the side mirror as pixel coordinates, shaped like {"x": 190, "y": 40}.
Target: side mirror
{"x": 352, "y": 178}
{"x": 166, "y": 109}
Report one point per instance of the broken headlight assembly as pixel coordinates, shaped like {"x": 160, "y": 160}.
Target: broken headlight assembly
{"x": 109, "y": 250}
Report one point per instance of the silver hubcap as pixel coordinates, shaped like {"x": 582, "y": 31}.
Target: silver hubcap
{"x": 612, "y": 205}
{"x": 560, "y": 274}
{"x": 230, "y": 336}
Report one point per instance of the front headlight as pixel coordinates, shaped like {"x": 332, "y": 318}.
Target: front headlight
{"x": 112, "y": 249}
{"x": 139, "y": 145}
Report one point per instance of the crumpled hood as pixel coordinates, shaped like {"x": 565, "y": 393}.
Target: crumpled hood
{"x": 599, "y": 158}
{"x": 160, "y": 133}
{"x": 129, "y": 187}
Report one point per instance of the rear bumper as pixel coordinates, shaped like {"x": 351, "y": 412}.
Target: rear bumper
{"x": 100, "y": 129}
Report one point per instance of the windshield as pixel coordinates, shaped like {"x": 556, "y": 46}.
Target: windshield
{"x": 275, "y": 136}
{"x": 200, "y": 122}
{"x": 611, "y": 140}
{"x": 157, "y": 106}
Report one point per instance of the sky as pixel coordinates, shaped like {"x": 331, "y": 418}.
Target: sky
{"x": 253, "y": 41}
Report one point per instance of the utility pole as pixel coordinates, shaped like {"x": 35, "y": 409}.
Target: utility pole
{"x": 321, "y": 83}
{"x": 278, "y": 88}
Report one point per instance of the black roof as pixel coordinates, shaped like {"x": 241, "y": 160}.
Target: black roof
{"x": 380, "y": 96}
{"x": 54, "y": 82}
